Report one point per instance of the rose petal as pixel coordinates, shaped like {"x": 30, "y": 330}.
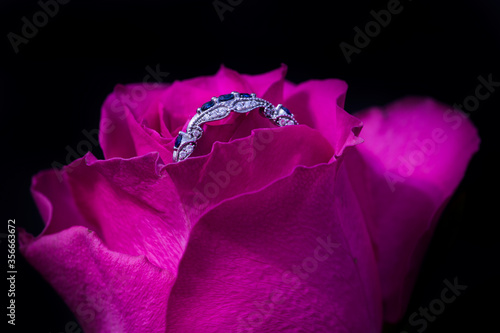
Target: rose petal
{"x": 246, "y": 165}
{"x": 319, "y": 104}
{"x": 262, "y": 84}
{"x": 115, "y": 233}
{"x": 122, "y": 126}
{"x": 414, "y": 155}
{"x": 130, "y": 204}
{"x": 135, "y": 209}
{"x": 53, "y": 198}
{"x": 106, "y": 290}
{"x": 239, "y": 272}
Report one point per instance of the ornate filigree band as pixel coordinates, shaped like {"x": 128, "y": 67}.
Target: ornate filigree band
{"x": 219, "y": 108}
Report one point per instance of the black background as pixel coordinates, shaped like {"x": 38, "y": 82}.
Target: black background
{"x": 53, "y": 88}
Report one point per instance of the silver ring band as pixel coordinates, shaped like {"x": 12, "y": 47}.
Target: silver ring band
{"x": 219, "y": 108}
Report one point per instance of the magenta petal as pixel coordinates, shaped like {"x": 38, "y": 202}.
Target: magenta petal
{"x": 106, "y": 290}
{"x": 123, "y": 131}
{"x": 134, "y": 207}
{"x": 115, "y": 233}
{"x": 414, "y": 155}
{"x": 319, "y": 104}
{"x": 53, "y": 198}
{"x": 245, "y": 165}
{"x": 260, "y": 84}
{"x": 293, "y": 256}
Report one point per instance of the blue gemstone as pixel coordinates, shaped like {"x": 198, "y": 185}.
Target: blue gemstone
{"x": 245, "y": 95}
{"x": 226, "y": 97}
{"x": 178, "y": 141}
{"x": 207, "y": 105}
{"x": 286, "y": 110}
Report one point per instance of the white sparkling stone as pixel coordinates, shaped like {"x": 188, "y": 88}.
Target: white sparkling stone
{"x": 186, "y": 151}
{"x": 195, "y": 132}
{"x": 285, "y": 122}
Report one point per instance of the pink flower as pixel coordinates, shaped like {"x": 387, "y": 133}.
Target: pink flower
{"x": 293, "y": 229}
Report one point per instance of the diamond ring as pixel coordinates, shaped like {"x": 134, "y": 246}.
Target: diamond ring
{"x": 219, "y": 108}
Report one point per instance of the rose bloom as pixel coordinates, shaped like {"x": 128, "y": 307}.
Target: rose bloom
{"x": 319, "y": 227}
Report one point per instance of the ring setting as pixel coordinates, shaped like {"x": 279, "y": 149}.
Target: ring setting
{"x": 219, "y": 108}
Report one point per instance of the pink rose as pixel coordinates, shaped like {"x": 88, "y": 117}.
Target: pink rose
{"x": 263, "y": 229}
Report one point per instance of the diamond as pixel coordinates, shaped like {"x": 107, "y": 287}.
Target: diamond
{"x": 196, "y": 132}
{"x": 186, "y": 151}
{"x": 206, "y": 117}
{"x": 283, "y": 121}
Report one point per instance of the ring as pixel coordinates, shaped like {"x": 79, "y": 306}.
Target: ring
{"x": 219, "y": 108}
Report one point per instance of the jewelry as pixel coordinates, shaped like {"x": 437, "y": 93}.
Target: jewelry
{"x": 219, "y": 108}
